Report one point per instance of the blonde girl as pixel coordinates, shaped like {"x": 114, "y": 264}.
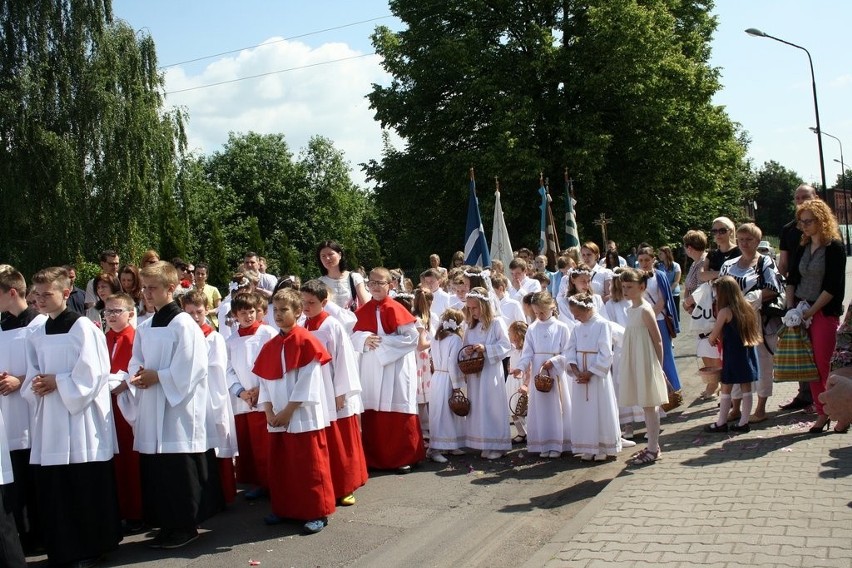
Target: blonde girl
{"x": 549, "y": 419}
{"x": 515, "y": 384}
{"x": 488, "y": 422}
{"x": 642, "y": 382}
{"x": 738, "y": 327}
{"x": 579, "y": 281}
{"x": 447, "y": 429}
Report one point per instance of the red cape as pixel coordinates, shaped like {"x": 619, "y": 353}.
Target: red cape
{"x": 120, "y": 347}
{"x": 314, "y": 323}
{"x": 299, "y": 347}
{"x": 392, "y": 313}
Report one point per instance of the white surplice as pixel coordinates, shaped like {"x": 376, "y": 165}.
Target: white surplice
{"x": 221, "y": 430}
{"x": 242, "y": 353}
{"x": 487, "y": 425}
{"x": 548, "y": 421}
{"x": 303, "y": 385}
{"x": 17, "y": 412}
{"x": 170, "y": 416}
{"x": 389, "y": 372}
{"x": 340, "y": 375}
{"x": 594, "y": 411}
{"x": 74, "y": 423}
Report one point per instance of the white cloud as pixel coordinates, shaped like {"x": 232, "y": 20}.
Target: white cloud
{"x": 841, "y": 80}
{"x": 327, "y": 100}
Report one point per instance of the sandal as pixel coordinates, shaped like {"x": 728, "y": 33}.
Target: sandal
{"x": 519, "y": 439}
{"x": 645, "y": 457}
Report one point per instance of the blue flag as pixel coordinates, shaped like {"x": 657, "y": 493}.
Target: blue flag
{"x": 475, "y": 248}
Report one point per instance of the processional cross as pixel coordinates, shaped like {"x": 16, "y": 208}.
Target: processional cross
{"x": 603, "y": 221}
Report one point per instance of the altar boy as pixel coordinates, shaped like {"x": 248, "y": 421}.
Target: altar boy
{"x": 73, "y": 435}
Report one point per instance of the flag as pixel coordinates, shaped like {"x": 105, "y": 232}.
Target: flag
{"x": 549, "y": 245}
{"x": 501, "y": 248}
{"x": 475, "y": 247}
{"x": 572, "y": 239}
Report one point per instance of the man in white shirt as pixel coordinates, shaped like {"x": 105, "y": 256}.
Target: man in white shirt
{"x": 520, "y": 283}
{"x": 266, "y": 285}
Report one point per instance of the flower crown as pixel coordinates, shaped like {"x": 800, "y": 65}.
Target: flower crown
{"x": 404, "y": 296}
{"x": 477, "y": 295}
{"x": 450, "y": 324}
{"x": 483, "y": 274}
{"x": 581, "y": 272}
{"x": 244, "y": 283}
{"x": 586, "y": 303}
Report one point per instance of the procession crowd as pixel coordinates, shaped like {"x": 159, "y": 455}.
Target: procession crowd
{"x": 144, "y": 400}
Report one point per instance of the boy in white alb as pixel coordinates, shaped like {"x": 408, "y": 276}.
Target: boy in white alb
{"x": 168, "y": 370}
{"x": 431, "y": 280}
{"x": 73, "y": 435}
{"x": 221, "y": 432}
{"x": 510, "y": 309}
{"x": 520, "y": 284}
{"x": 19, "y": 321}
{"x": 342, "y": 383}
{"x": 252, "y": 434}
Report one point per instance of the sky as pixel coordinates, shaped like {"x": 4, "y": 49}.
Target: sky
{"x": 766, "y": 85}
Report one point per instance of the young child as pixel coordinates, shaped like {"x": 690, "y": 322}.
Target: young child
{"x": 180, "y": 476}
{"x": 221, "y": 431}
{"x": 519, "y": 283}
{"x": 293, "y": 397}
{"x": 211, "y": 293}
{"x": 72, "y": 434}
{"x": 343, "y": 389}
{"x": 18, "y": 323}
{"x": 240, "y": 282}
{"x": 488, "y": 422}
{"x": 447, "y": 428}
{"x": 421, "y": 308}
{"x": 386, "y": 336}
{"x": 642, "y": 380}
{"x": 594, "y": 412}
{"x": 520, "y": 383}
{"x": 617, "y": 306}
{"x": 549, "y": 420}
{"x": 738, "y": 328}
{"x": 119, "y": 311}
{"x": 244, "y": 386}
{"x": 510, "y": 309}
{"x": 458, "y": 285}
{"x": 616, "y": 312}
{"x": 579, "y": 281}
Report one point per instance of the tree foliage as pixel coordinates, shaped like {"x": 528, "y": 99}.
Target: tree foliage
{"x": 775, "y": 185}
{"x": 87, "y": 153}
{"x": 619, "y": 91}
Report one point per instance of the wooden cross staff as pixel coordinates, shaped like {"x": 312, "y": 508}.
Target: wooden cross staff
{"x": 603, "y": 221}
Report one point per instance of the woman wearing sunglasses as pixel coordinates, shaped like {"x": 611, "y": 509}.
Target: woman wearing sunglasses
{"x": 724, "y": 236}
{"x": 817, "y": 275}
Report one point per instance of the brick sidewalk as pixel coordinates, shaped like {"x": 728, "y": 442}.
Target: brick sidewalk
{"x": 777, "y": 496}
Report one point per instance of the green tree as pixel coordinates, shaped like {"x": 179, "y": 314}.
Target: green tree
{"x": 617, "y": 90}
{"x": 87, "y": 159}
{"x": 775, "y": 185}
{"x": 220, "y": 271}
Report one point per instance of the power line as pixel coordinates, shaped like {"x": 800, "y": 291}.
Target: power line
{"x": 270, "y": 73}
{"x": 276, "y": 41}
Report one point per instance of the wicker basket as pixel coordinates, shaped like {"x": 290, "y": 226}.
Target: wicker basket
{"x": 543, "y": 381}
{"x": 459, "y": 404}
{"x": 519, "y": 403}
{"x": 470, "y": 361}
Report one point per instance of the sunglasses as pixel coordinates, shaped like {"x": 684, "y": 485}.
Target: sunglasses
{"x": 721, "y": 231}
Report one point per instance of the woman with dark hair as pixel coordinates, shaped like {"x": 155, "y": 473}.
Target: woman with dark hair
{"x": 348, "y": 288}
{"x": 128, "y": 279}
{"x": 105, "y": 285}
{"x": 673, "y": 272}
{"x": 611, "y": 260}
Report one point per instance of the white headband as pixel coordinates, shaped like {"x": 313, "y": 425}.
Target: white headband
{"x": 244, "y": 283}
{"x": 450, "y": 324}
{"x": 588, "y": 304}
{"x": 477, "y": 295}
{"x": 404, "y": 296}
{"x": 482, "y": 274}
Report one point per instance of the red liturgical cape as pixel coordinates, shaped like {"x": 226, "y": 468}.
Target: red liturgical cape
{"x": 299, "y": 346}
{"x": 120, "y": 347}
{"x": 392, "y": 313}
{"x": 314, "y": 323}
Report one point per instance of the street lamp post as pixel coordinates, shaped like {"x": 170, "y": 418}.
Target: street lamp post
{"x": 757, "y": 33}
{"x": 845, "y": 198}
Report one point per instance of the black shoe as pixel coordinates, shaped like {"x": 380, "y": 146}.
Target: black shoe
{"x": 737, "y": 428}
{"x": 820, "y": 429}
{"x": 132, "y": 527}
{"x": 254, "y": 494}
{"x": 178, "y": 538}
{"x": 157, "y": 541}
{"x": 716, "y": 429}
{"x": 795, "y": 404}
{"x": 272, "y": 519}
{"x": 403, "y": 470}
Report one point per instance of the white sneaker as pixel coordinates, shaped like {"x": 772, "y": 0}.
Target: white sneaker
{"x": 625, "y": 443}
{"x": 438, "y": 457}
{"x": 495, "y": 455}
{"x": 554, "y": 454}
{"x": 587, "y": 457}
{"x": 457, "y": 452}
{"x": 600, "y": 457}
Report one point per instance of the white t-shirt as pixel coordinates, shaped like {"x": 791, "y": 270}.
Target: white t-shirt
{"x": 340, "y": 287}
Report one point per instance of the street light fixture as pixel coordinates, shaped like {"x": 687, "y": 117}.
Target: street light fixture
{"x": 757, "y": 33}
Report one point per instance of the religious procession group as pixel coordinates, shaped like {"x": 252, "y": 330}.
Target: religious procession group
{"x": 142, "y": 415}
